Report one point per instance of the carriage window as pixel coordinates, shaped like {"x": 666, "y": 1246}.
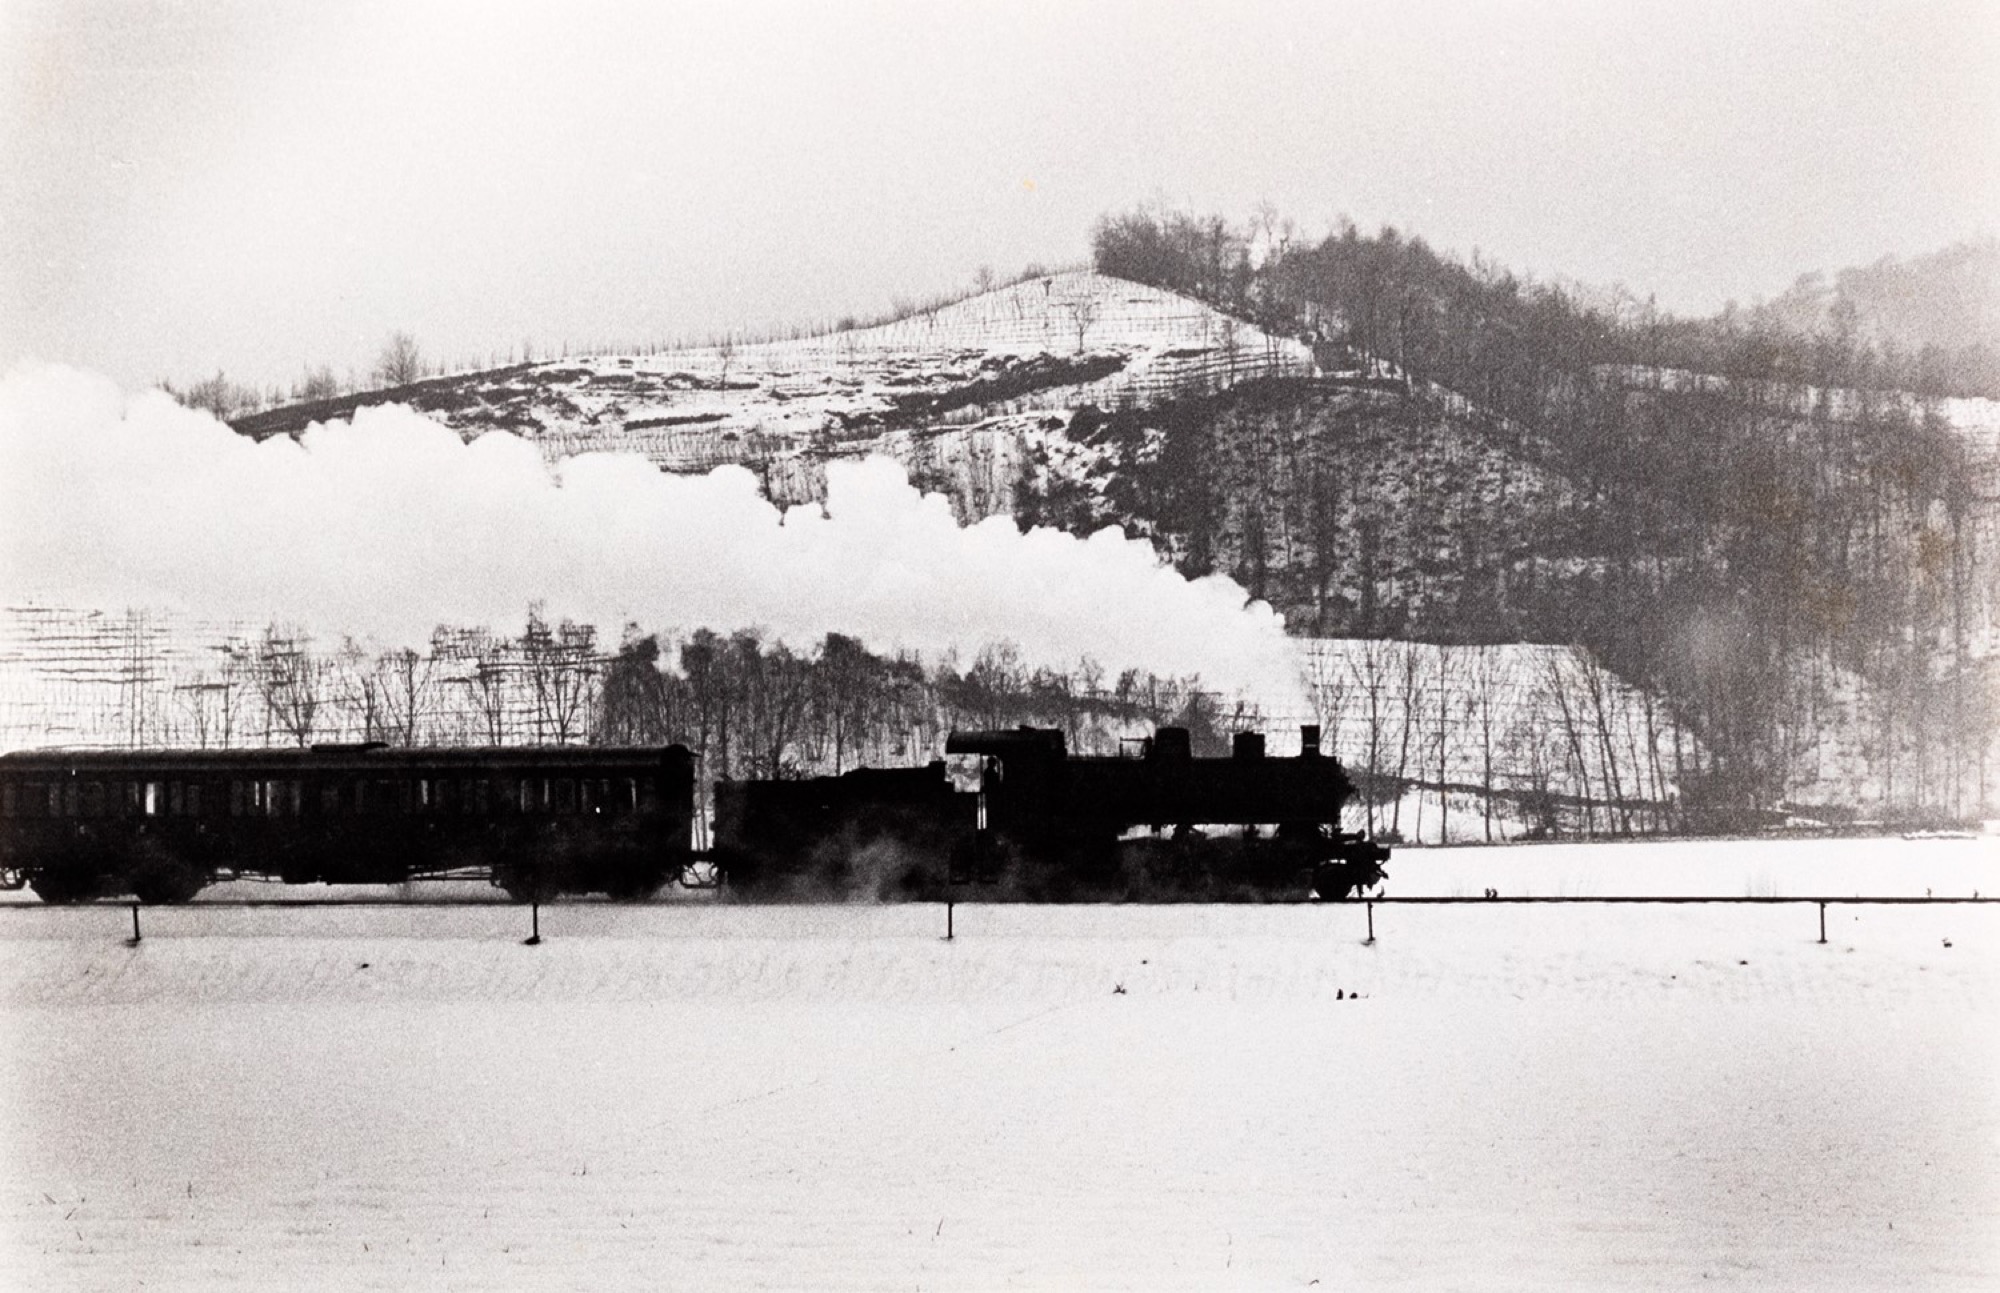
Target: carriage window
{"x": 562, "y": 798}
{"x": 589, "y": 795}
{"x": 329, "y": 798}
{"x": 475, "y": 796}
{"x": 628, "y": 795}
{"x": 155, "y": 798}
{"x": 649, "y": 795}
{"x": 8, "y": 799}
{"x": 69, "y": 798}
{"x": 93, "y": 799}
{"x": 176, "y": 804}
{"x": 236, "y": 799}
{"x": 194, "y": 799}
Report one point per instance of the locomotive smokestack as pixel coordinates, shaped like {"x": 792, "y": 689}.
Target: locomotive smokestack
{"x": 1309, "y": 740}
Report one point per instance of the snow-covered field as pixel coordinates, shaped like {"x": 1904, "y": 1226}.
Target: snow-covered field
{"x": 691, "y": 1096}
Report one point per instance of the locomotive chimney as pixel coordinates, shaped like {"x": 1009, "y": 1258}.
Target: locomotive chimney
{"x": 1171, "y": 743}
{"x": 1309, "y": 740}
{"x": 1249, "y": 745}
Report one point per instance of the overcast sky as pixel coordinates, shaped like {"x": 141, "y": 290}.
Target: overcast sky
{"x": 258, "y": 187}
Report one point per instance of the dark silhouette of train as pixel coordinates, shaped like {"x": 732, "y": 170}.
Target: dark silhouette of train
{"x": 161, "y": 825}
{"x": 1022, "y": 818}
{"x": 1018, "y": 817}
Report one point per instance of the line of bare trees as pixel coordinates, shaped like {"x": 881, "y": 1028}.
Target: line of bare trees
{"x": 1460, "y": 744}
{"x": 1445, "y": 743}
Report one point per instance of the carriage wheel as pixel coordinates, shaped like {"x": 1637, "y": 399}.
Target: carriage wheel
{"x": 526, "y": 882}
{"x": 158, "y": 874}
{"x": 61, "y": 885}
{"x": 175, "y": 883}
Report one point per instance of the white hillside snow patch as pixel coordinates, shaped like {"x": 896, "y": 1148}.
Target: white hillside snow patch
{"x": 698, "y": 407}
{"x": 1489, "y": 1096}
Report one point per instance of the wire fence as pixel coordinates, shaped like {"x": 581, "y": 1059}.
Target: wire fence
{"x": 533, "y": 910}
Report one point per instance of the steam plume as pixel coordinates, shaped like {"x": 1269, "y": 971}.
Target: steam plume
{"x": 390, "y": 525}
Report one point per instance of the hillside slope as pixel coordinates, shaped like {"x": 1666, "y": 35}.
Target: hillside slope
{"x": 1806, "y": 577}
{"x": 958, "y": 393}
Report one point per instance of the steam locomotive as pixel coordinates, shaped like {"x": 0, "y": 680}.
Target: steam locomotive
{"x": 1022, "y": 818}
{"x": 1007, "y": 815}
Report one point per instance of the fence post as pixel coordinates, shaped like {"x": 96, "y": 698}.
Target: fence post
{"x": 1822, "y": 920}
{"x": 134, "y": 940}
{"x": 1371, "y": 926}
{"x": 535, "y": 915}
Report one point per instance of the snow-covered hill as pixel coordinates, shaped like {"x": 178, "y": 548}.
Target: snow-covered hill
{"x": 960, "y": 394}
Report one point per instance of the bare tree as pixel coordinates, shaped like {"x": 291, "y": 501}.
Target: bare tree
{"x": 408, "y": 683}
{"x": 843, "y": 684}
{"x": 357, "y": 689}
{"x": 217, "y": 395}
{"x": 1082, "y": 306}
{"x": 635, "y": 696}
{"x": 1330, "y": 687}
{"x": 400, "y": 362}
{"x": 563, "y": 671}
{"x": 1370, "y": 667}
{"x": 1481, "y": 707}
{"x": 1410, "y": 680}
{"x": 200, "y": 699}
{"x": 1556, "y": 691}
{"x": 318, "y": 384}
{"x": 489, "y": 682}
{"x": 1599, "y": 690}
{"x": 292, "y": 681}
{"x": 1447, "y": 680}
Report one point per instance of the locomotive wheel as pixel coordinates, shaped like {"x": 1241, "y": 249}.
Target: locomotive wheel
{"x": 1331, "y": 881}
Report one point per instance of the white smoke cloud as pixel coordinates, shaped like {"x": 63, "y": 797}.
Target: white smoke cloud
{"x": 390, "y": 525}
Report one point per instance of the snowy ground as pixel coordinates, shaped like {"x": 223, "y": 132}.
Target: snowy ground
{"x": 689, "y": 1096}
